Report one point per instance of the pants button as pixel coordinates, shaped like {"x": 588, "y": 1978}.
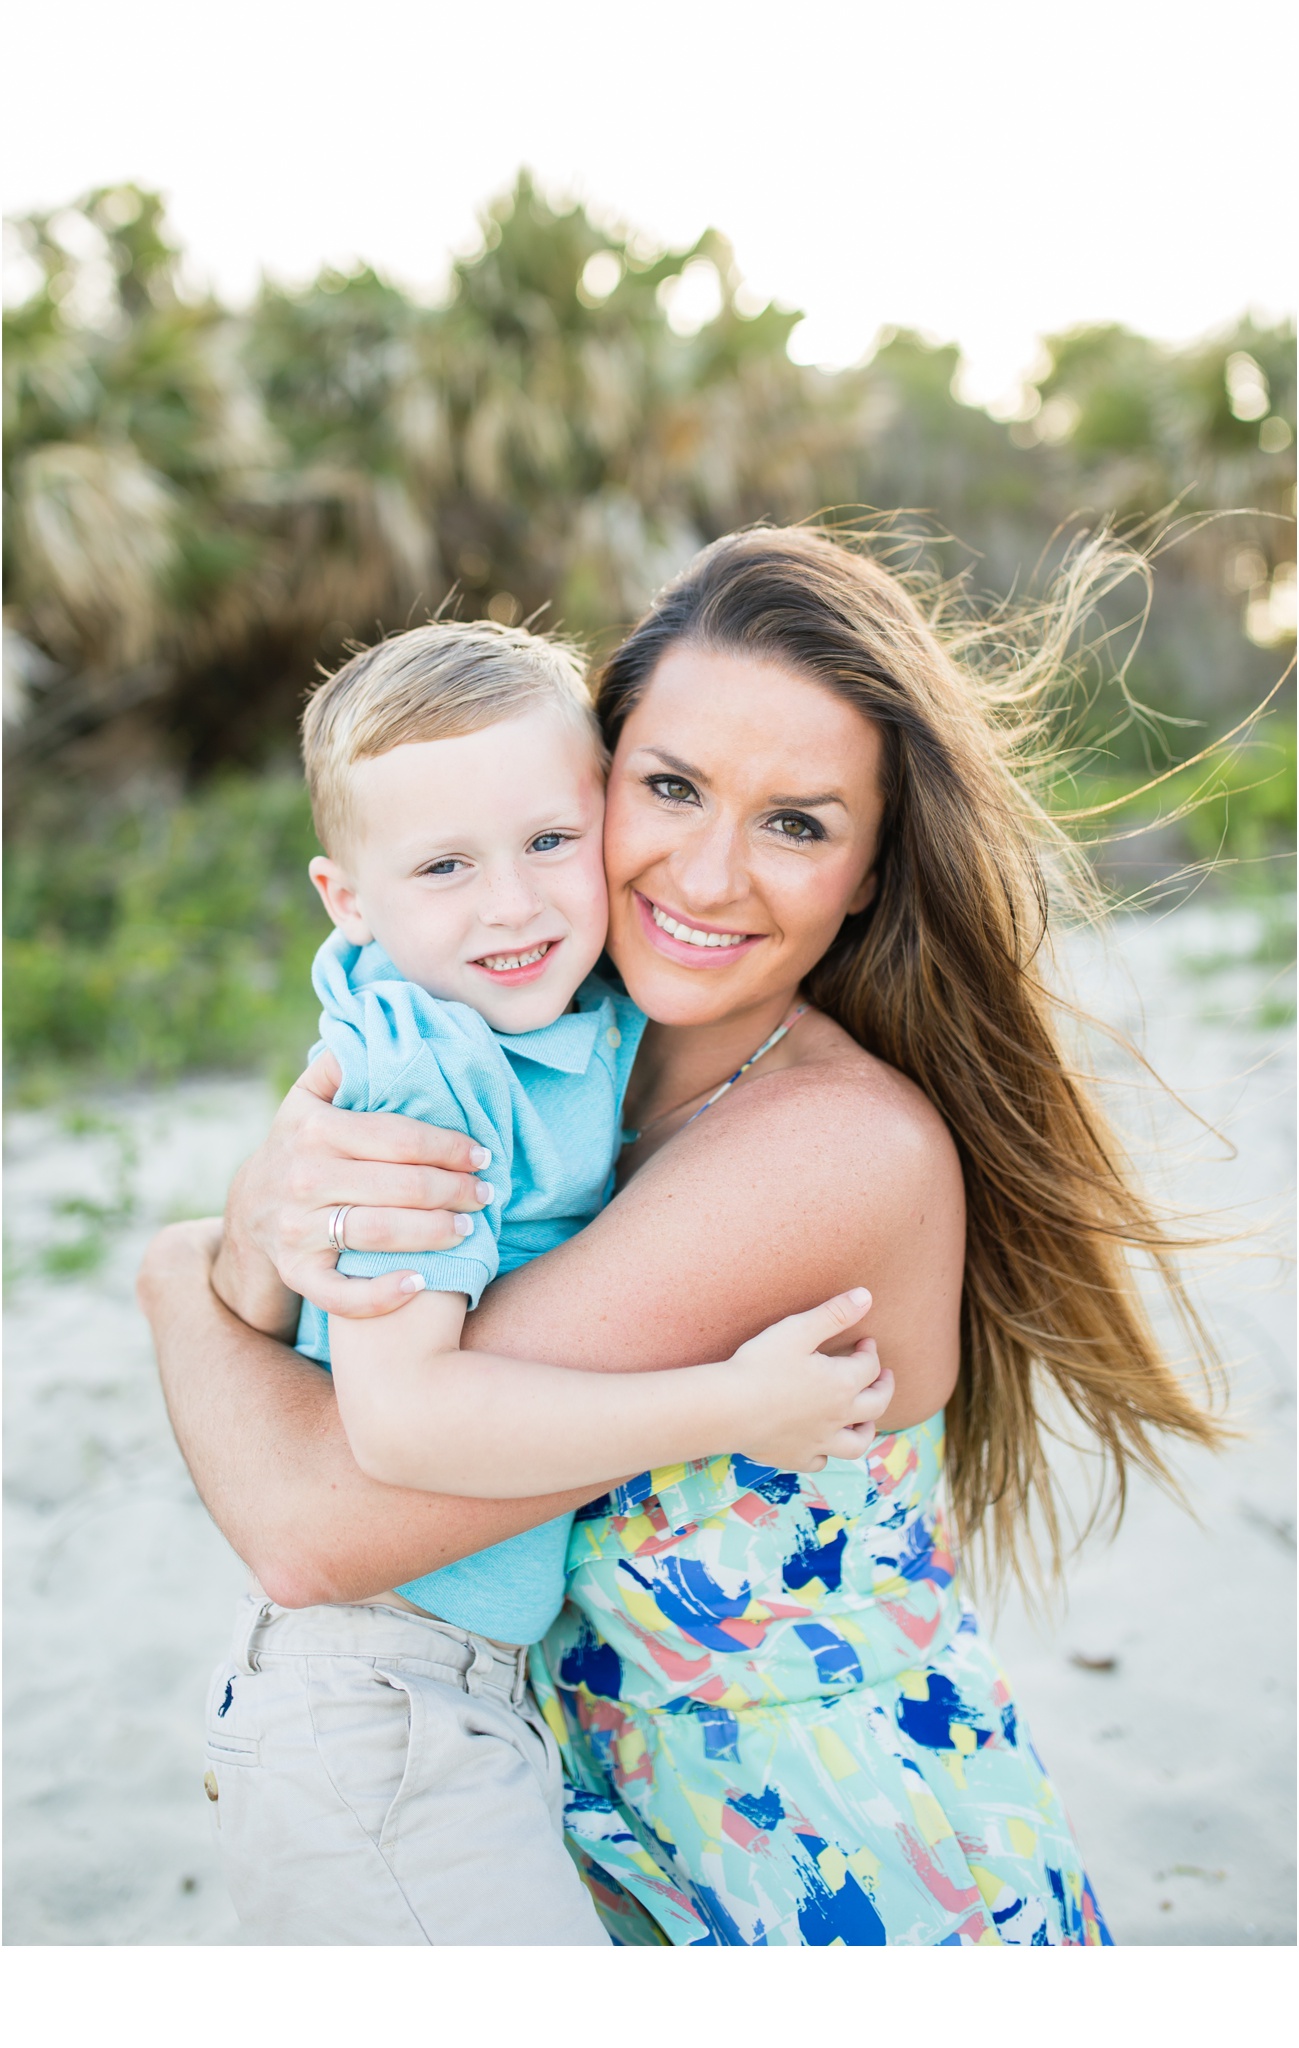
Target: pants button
{"x": 210, "y": 1784}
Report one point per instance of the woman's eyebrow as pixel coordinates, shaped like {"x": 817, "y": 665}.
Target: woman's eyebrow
{"x": 802, "y": 803}
{"x": 678, "y": 766}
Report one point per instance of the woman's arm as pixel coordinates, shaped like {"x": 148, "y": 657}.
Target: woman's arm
{"x": 788, "y": 1192}
{"x": 258, "y": 1426}
{"x": 808, "y": 1182}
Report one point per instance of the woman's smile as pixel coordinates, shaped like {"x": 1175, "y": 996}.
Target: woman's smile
{"x": 689, "y": 942}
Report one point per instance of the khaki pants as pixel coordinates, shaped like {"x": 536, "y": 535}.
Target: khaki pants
{"x": 381, "y": 1778}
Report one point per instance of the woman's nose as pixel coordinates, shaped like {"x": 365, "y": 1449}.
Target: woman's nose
{"x": 709, "y": 867}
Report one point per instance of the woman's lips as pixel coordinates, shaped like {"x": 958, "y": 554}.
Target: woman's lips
{"x": 726, "y": 948}
{"x": 532, "y": 963}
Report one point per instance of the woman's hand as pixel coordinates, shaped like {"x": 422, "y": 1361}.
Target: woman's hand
{"x": 806, "y": 1407}
{"x": 408, "y": 1187}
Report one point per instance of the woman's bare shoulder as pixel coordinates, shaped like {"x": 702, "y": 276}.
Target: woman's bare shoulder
{"x": 830, "y": 1172}
{"x": 853, "y": 1106}
{"x": 833, "y": 1171}
{"x": 837, "y": 1135}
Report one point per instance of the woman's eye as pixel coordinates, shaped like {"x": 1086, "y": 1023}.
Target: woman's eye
{"x": 793, "y": 825}
{"x": 671, "y": 788}
{"x": 546, "y": 842}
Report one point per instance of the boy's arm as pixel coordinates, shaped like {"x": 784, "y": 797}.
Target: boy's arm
{"x": 418, "y": 1412}
{"x": 258, "y": 1426}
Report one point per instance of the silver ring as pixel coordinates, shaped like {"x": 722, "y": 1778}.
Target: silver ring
{"x": 338, "y": 1227}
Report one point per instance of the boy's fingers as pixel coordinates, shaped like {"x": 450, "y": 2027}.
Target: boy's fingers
{"x": 816, "y": 1325}
{"x": 868, "y": 1359}
{"x": 851, "y": 1443}
{"x": 872, "y": 1401}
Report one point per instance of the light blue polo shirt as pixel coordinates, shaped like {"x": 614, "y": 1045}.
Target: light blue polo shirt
{"x": 548, "y": 1106}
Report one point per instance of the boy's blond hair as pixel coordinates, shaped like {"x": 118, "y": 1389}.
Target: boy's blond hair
{"x": 435, "y": 682}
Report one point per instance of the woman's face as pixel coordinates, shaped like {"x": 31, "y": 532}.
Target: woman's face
{"x": 743, "y": 816}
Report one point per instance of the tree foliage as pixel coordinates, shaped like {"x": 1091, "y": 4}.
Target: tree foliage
{"x": 204, "y": 504}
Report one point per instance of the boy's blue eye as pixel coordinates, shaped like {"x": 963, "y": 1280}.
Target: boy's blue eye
{"x": 441, "y": 867}
{"x": 546, "y": 842}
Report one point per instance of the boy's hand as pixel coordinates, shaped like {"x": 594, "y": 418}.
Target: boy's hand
{"x": 805, "y": 1407}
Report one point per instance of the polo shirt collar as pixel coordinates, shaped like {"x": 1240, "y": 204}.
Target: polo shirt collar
{"x": 567, "y": 1045}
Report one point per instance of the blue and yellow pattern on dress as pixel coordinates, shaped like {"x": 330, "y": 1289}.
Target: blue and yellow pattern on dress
{"x": 781, "y": 1725}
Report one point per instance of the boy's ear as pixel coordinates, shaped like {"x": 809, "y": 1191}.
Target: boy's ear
{"x": 338, "y": 894}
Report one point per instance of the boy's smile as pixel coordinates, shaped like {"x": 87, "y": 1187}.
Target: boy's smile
{"x": 476, "y": 864}
{"x": 513, "y": 969}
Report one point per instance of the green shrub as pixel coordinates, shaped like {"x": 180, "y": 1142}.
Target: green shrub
{"x": 163, "y": 936}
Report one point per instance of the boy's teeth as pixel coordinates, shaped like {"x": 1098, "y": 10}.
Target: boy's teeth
{"x": 503, "y": 963}
{"x": 689, "y": 933}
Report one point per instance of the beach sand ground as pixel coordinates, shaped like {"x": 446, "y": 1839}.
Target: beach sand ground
{"x": 1161, "y": 1695}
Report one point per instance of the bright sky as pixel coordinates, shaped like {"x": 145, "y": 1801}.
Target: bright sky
{"x": 985, "y": 172}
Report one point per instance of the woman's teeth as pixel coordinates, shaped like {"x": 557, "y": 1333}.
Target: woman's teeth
{"x": 504, "y": 963}
{"x": 689, "y": 933}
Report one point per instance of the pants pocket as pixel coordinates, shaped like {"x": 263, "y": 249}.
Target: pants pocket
{"x": 362, "y": 1724}
{"x": 233, "y": 1749}
{"x": 549, "y": 1763}
{"x": 449, "y": 1736}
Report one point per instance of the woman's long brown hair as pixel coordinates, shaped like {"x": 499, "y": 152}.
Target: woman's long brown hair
{"x": 942, "y": 978}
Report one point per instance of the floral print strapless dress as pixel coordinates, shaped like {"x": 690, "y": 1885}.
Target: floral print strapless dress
{"x": 782, "y": 1727}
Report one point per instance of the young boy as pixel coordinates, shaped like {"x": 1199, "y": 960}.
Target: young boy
{"x": 379, "y": 1771}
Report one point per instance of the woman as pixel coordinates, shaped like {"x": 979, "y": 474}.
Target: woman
{"x": 814, "y": 822}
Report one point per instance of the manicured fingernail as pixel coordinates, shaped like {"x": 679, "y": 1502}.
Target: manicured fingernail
{"x": 479, "y": 1156}
{"x": 485, "y": 1192}
{"x": 412, "y": 1283}
{"x": 859, "y": 1294}
{"x": 464, "y": 1224}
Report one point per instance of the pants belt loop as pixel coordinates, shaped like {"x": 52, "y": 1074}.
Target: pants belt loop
{"x": 243, "y": 1651}
{"x": 483, "y": 1665}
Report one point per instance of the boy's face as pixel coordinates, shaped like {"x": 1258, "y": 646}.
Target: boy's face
{"x": 476, "y": 864}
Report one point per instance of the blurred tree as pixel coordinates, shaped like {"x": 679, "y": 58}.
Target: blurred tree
{"x": 202, "y": 505}
{"x": 1201, "y": 436}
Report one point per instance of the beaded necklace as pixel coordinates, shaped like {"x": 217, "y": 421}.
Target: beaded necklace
{"x": 631, "y": 1137}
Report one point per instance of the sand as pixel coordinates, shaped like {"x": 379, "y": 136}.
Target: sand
{"x": 1173, "y": 1745}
